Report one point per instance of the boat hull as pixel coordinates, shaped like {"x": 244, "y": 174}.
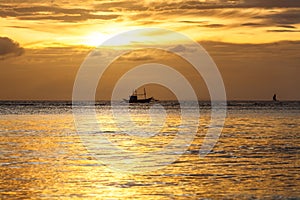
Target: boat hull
{"x": 148, "y": 100}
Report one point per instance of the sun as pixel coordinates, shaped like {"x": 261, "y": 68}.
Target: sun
{"x": 94, "y": 39}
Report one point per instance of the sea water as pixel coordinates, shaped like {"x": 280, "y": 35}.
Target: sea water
{"x": 256, "y": 156}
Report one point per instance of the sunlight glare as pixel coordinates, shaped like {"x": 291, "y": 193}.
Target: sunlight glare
{"x": 94, "y": 39}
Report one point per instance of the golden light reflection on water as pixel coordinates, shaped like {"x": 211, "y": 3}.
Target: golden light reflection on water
{"x": 257, "y": 156}
{"x": 141, "y": 142}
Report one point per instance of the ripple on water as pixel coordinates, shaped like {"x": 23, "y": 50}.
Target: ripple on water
{"x": 256, "y": 157}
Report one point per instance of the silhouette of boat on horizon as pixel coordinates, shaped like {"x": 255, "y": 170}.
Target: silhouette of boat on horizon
{"x": 275, "y": 97}
{"x": 134, "y": 98}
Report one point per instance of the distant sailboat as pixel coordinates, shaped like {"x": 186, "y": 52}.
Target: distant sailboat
{"x": 274, "y": 97}
{"x": 134, "y": 98}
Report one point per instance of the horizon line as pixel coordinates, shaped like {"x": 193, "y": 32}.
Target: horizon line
{"x": 70, "y": 100}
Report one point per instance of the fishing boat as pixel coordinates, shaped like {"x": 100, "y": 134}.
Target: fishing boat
{"x": 134, "y": 98}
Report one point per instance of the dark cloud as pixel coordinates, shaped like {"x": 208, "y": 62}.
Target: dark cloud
{"x": 272, "y": 3}
{"x": 283, "y": 31}
{"x": 167, "y": 4}
{"x": 216, "y": 4}
{"x": 70, "y": 18}
{"x": 253, "y": 24}
{"x": 17, "y": 26}
{"x": 286, "y": 17}
{"x": 164, "y": 15}
{"x": 162, "y": 10}
{"x": 9, "y": 48}
{"x": 204, "y": 24}
{"x": 213, "y": 25}
{"x": 53, "y": 13}
{"x": 287, "y": 26}
{"x": 123, "y": 5}
{"x": 155, "y": 12}
{"x": 193, "y": 22}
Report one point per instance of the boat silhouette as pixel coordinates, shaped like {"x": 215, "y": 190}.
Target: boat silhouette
{"x": 274, "y": 97}
{"x": 134, "y": 98}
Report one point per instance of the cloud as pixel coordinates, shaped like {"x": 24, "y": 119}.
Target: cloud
{"x": 189, "y": 16}
{"x": 178, "y": 48}
{"x": 121, "y": 5}
{"x": 272, "y": 3}
{"x": 182, "y": 49}
{"x": 9, "y": 48}
{"x": 253, "y": 24}
{"x": 57, "y": 13}
{"x": 193, "y": 22}
{"x": 286, "y": 17}
{"x": 216, "y": 4}
{"x": 268, "y": 51}
{"x": 287, "y": 26}
{"x": 139, "y": 56}
{"x": 17, "y": 27}
{"x": 153, "y": 11}
{"x": 70, "y": 18}
{"x": 166, "y": 4}
{"x": 287, "y": 12}
{"x": 213, "y": 25}
{"x": 283, "y": 31}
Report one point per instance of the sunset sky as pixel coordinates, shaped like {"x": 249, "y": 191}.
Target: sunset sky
{"x": 255, "y": 43}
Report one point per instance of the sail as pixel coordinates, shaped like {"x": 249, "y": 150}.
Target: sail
{"x": 274, "y": 97}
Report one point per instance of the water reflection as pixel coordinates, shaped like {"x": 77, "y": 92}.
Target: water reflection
{"x": 257, "y": 156}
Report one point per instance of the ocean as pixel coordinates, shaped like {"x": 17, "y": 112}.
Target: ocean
{"x": 42, "y": 156}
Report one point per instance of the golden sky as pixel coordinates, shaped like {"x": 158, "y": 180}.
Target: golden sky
{"x": 255, "y": 43}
